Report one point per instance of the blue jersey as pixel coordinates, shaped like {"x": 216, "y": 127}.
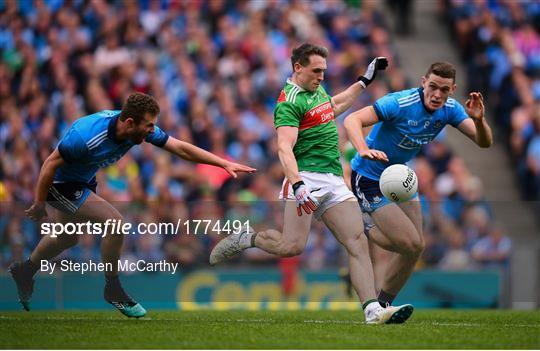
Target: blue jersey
{"x": 405, "y": 126}
{"x": 90, "y": 144}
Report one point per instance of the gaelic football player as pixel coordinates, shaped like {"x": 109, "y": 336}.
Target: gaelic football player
{"x": 314, "y": 186}
{"x": 67, "y": 182}
{"x": 409, "y": 120}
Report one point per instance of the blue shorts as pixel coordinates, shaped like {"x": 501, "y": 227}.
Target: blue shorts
{"x": 68, "y": 197}
{"x": 367, "y": 192}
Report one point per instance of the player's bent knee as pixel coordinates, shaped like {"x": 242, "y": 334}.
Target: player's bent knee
{"x": 419, "y": 246}
{"x": 414, "y": 247}
{"x": 356, "y": 246}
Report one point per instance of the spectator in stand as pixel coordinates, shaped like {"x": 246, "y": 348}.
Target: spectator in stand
{"x": 493, "y": 250}
{"x": 500, "y": 43}
{"x": 533, "y": 155}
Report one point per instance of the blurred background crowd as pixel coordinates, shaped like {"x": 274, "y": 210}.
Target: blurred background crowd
{"x": 216, "y": 68}
{"x": 499, "y": 41}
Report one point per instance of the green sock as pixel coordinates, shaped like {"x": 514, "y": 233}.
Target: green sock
{"x": 253, "y": 239}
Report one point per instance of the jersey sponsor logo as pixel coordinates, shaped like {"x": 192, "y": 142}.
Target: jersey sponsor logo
{"x": 318, "y": 115}
{"x": 411, "y": 142}
{"x": 412, "y": 123}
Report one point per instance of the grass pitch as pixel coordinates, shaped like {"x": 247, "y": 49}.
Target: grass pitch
{"x": 439, "y": 329}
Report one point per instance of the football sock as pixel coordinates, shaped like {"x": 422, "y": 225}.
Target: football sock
{"x": 246, "y": 240}
{"x": 368, "y": 303}
{"x": 385, "y": 299}
{"x": 114, "y": 290}
{"x": 253, "y": 237}
{"x": 29, "y": 267}
{"x": 112, "y": 281}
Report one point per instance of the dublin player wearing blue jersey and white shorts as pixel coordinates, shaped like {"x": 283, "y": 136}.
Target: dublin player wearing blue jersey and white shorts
{"x": 67, "y": 182}
{"x": 404, "y": 122}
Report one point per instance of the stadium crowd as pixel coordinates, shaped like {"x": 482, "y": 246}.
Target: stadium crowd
{"x": 216, "y": 68}
{"x": 500, "y": 43}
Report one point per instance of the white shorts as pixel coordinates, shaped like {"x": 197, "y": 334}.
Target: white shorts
{"x": 331, "y": 190}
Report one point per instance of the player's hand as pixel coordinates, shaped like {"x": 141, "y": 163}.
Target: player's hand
{"x": 232, "y": 168}
{"x": 374, "y": 155}
{"x": 475, "y": 106}
{"x": 378, "y": 63}
{"x": 304, "y": 199}
{"x": 36, "y": 211}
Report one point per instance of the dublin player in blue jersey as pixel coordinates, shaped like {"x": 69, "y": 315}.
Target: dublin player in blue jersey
{"x": 67, "y": 182}
{"x": 404, "y": 122}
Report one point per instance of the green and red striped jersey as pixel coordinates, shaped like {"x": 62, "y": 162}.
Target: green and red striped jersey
{"x": 316, "y": 149}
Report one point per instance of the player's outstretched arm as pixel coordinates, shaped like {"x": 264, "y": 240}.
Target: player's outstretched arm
{"x": 354, "y": 124}
{"x": 193, "y": 153}
{"x": 476, "y": 127}
{"x": 45, "y": 180}
{"x": 344, "y": 100}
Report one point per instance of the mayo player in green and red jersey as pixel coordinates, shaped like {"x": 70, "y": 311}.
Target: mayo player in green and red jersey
{"x": 314, "y": 185}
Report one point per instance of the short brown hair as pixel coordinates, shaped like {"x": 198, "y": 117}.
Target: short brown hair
{"x": 302, "y": 53}
{"x": 442, "y": 69}
{"x": 137, "y": 105}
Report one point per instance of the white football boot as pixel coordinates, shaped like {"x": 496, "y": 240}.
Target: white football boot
{"x": 232, "y": 245}
{"x": 389, "y": 314}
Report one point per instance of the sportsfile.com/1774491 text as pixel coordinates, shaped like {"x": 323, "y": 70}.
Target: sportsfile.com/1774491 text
{"x": 118, "y": 226}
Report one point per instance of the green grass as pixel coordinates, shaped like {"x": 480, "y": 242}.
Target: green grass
{"x": 446, "y": 329}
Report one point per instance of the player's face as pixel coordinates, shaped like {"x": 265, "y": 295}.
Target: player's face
{"x": 139, "y": 132}
{"x": 436, "y": 91}
{"x": 310, "y": 77}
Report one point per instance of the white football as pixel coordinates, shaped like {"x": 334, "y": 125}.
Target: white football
{"x": 398, "y": 183}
